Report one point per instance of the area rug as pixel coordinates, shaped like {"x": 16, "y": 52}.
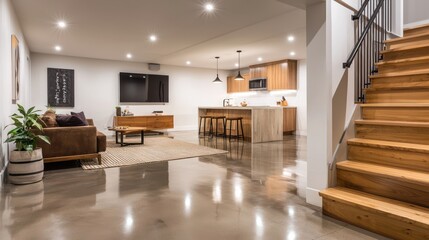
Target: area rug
{"x": 155, "y": 149}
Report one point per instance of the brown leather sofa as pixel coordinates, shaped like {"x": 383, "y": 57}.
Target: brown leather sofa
{"x": 73, "y": 143}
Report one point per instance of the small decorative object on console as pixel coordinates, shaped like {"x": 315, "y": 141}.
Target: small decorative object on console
{"x": 118, "y": 111}
{"x": 157, "y": 113}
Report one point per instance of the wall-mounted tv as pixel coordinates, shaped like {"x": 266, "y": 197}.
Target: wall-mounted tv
{"x": 143, "y": 88}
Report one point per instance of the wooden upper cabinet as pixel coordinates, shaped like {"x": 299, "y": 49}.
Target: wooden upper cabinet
{"x": 259, "y": 72}
{"x": 281, "y": 75}
{"x": 234, "y": 86}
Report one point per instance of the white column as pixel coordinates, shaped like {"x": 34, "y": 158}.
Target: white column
{"x": 319, "y": 100}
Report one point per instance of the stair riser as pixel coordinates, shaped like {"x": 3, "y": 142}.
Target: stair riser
{"x": 398, "y": 67}
{"x": 398, "y": 96}
{"x": 393, "y": 133}
{"x": 374, "y": 221}
{"x": 389, "y": 157}
{"x": 405, "y": 81}
{"x": 390, "y": 188}
{"x": 412, "y": 114}
{"x": 412, "y": 53}
{"x": 408, "y": 42}
{"x": 416, "y": 31}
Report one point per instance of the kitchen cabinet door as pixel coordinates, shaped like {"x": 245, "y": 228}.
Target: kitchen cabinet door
{"x": 258, "y": 72}
{"x": 234, "y": 86}
{"x": 282, "y": 76}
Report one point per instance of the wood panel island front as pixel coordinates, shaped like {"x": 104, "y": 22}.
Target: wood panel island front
{"x": 260, "y": 124}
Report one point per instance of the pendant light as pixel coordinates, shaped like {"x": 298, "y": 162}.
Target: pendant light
{"x": 239, "y": 77}
{"x": 217, "y": 80}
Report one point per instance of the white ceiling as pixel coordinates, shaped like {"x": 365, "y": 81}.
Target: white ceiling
{"x": 109, "y": 29}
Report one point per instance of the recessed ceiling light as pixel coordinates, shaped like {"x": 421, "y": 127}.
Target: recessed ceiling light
{"x": 292, "y": 53}
{"x": 129, "y": 55}
{"x": 61, "y": 24}
{"x": 153, "y": 38}
{"x": 209, "y": 7}
{"x": 188, "y": 62}
{"x": 58, "y": 48}
{"x": 291, "y": 38}
{"x": 260, "y": 59}
{"x": 236, "y": 65}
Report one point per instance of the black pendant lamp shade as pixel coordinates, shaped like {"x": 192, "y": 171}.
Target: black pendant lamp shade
{"x": 217, "y": 80}
{"x": 239, "y": 77}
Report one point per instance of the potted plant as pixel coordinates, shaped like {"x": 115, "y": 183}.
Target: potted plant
{"x": 26, "y": 161}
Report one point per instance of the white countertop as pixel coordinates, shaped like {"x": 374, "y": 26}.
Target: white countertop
{"x": 247, "y": 108}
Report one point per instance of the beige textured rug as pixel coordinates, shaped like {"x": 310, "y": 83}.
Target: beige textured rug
{"x": 155, "y": 149}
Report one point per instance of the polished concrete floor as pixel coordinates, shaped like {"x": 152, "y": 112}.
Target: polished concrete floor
{"x": 253, "y": 192}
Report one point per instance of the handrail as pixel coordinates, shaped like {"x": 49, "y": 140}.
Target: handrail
{"x": 362, "y": 37}
{"x": 361, "y": 10}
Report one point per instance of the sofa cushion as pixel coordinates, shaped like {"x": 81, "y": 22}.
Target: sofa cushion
{"x": 69, "y": 121}
{"x": 81, "y": 116}
{"x": 49, "y": 119}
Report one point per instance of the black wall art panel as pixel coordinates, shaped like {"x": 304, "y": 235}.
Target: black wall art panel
{"x": 60, "y": 87}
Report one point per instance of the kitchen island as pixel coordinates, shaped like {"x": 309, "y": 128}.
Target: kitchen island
{"x": 260, "y": 124}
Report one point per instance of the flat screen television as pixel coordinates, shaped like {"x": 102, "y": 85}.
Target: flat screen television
{"x": 143, "y": 88}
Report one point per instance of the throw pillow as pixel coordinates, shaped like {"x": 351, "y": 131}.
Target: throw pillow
{"x": 81, "y": 116}
{"x": 69, "y": 121}
{"x": 49, "y": 119}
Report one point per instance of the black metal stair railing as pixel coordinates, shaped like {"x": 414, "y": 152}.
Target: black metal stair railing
{"x": 373, "y": 22}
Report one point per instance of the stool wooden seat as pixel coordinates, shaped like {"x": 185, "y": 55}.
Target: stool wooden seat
{"x": 239, "y": 126}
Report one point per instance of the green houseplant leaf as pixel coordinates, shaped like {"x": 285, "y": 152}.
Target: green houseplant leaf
{"x": 26, "y": 129}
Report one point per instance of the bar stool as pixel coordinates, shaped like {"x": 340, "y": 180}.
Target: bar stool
{"x": 239, "y": 122}
{"x": 216, "y": 120}
{"x": 205, "y": 118}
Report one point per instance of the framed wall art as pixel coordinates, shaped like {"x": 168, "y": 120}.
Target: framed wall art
{"x": 15, "y": 69}
{"x": 60, "y": 87}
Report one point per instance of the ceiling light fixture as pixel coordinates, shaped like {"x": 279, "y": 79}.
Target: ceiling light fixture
{"x": 239, "y": 77}
{"x": 260, "y": 59}
{"x": 153, "y": 38}
{"x": 292, "y": 53}
{"x": 58, "y": 48}
{"x": 209, "y": 7}
{"x": 217, "y": 80}
{"x": 236, "y": 64}
{"x": 129, "y": 55}
{"x": 188, "y": 63}
{"x": 291, "y": 38}
{"x": 61, "y": 24}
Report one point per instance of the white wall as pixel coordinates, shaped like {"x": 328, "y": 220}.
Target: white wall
{"x": 295, "y": 98}
{"x": 97, "y": 88}
{"x": 416, "y": 12}
{"x": 9, "y": 25}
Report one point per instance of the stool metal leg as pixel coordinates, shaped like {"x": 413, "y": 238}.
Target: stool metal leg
{"x": 199, "y": 128}
{"x": 242, "y": 132}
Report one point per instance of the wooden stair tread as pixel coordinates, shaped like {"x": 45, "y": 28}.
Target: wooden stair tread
{"x": 400, "y": 74}
{"x": 417, "y": 27}
{"x": 382, "y": 88}
{"x": 393, "y": 123}
{"x": 395, "y": 209}
{"x": 405, "y": 175}
{"x": 405, "y": 38}
{"x": 413, "y": 47}
{"x": 406, "y": 60}
{"x": 422, "y": 148}
{"x": 394, "y": 105}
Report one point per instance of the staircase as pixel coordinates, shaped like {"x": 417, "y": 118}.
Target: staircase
{"x": 384, "y": 185}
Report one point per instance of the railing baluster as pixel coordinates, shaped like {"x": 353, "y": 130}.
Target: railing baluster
{"x": 374, "y": 21}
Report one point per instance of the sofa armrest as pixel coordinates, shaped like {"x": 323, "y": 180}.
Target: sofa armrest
{"x": 68, "y": 141}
